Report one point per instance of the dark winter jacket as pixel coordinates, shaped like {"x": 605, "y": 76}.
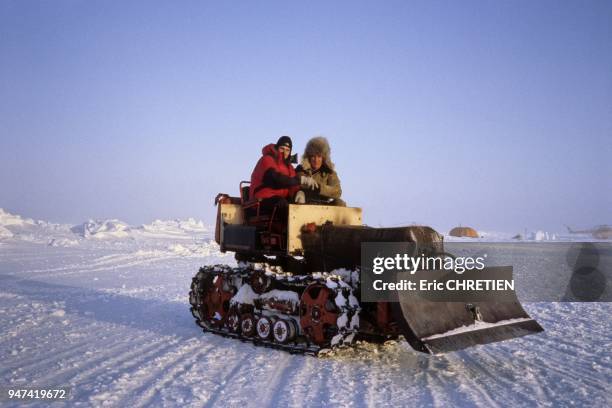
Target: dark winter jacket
{"x": 273, "y": 176}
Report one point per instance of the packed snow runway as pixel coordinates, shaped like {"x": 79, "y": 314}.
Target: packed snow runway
{"x": 103, "y": 308}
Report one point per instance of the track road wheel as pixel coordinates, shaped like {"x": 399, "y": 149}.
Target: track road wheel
{"x": 264, "y": 327}
{"x": 247, "y": 325}
{"x": 319, "y": 314}
{"x": 233, "y": 321}
{"x": 284, "y": 330}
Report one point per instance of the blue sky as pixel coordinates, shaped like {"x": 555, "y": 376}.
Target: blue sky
{"x": 491, "y": 114}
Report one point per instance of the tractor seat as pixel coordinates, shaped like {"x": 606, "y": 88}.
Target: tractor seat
{"x": 252, "y": 210}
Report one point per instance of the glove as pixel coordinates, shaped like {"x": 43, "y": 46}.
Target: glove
{"x": 300, "y": 197}
{"x": 309, "y": 182}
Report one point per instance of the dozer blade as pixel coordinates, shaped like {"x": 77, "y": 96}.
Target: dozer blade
{"x": 438, "y": 327}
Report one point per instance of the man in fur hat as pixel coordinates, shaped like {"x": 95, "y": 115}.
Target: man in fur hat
{"x": 316, "y": 163}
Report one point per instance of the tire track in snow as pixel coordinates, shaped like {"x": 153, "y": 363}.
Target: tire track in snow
{"x": 36, "y": 361}
{"x": 590, "y": 350}
{"x": 105, "y": 263}
{"x": 111, "y": 263}
{"x": 475, "y": 381}
{"x": 219, "y": 391}
{"x": 75, "y": 360}
{"x": 324, "y": 392}
{"x": 373, "y": 389}
{"x": 272, "y": 375}
{"x": 453, "y": 382}
{"x": 272, "y": 388}
{"x": 393, "y": 373}
{"x": 555, "y": 358}
{"x": 356, "y": 386}
{"x": 124, "y": 389}
{"x": 82, "y": 271}
{"x": 9, "y": 332}
{"x": 397, "y": 367}
{"x": 535, "y": 394}
{"x": 529, "y": 384}
{"x": 102, "y": 362}
{"x": 498, "y": 374}
{"x": 146, "y": 399}
{"x": 480, "y": 370}
{"x": 571, "y": 375}
{"x": 300, "y": 383}
{"x": 289, "y": 391}
{"x": 401, "y": 364}
{"x": 438, "y": 394}
{"x": 314, "y": 379}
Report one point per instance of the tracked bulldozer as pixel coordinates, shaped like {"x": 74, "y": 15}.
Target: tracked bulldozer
{"x": 297, "y": 286}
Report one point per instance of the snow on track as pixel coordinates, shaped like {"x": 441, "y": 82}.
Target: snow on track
{"x": 111, "y": 320}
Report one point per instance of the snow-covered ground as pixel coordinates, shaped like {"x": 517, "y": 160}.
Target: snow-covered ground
{"x": 103, "y": 308}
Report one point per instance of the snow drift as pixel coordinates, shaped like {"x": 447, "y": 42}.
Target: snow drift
{"x": 8, "y": 219}
{"x": 102, "y": 229}
{"x": 175, "y": 226}
{"x": 178, "y": 237}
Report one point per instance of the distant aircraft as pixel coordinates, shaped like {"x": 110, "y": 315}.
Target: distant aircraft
{"x": 599, "y": 232}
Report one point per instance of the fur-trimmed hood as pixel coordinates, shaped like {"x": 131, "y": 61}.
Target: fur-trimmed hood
{"x": 318, "y": 145}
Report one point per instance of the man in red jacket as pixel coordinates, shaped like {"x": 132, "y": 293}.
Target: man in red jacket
{"x": 274, "y": 180}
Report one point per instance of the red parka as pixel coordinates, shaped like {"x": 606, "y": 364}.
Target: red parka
{"x": 284, "y": 182}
